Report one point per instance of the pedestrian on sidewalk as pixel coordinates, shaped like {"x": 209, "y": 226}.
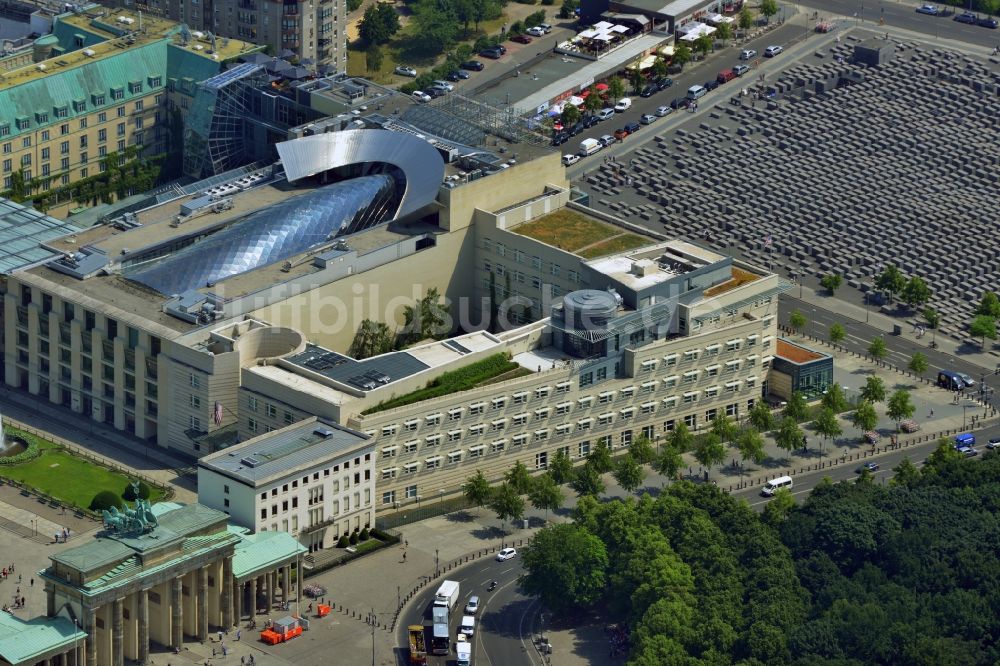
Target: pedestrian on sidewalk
{"x": 404, "y": 555}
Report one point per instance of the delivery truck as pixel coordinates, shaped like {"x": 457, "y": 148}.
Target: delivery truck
{"x": 589, "y": 147}
{"x": 447, "y": 594}
{"x": 418, "y": 649}
{"x": 463, "y": 653}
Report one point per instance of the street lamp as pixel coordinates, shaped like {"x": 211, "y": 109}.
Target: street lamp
{"x": 441, "y": 493}
{"x": 965, "y": 408}
{"x": 437, "y": 563}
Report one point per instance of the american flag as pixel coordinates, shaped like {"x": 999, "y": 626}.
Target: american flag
{"x": 217, "y": 413}
{"x": 768, "y": 241}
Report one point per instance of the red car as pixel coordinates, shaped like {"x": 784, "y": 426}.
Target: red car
{"x": 521, "y": 39}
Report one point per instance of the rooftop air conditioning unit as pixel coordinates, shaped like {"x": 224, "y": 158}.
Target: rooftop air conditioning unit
{"x": 127, "y": 20}
{"x": 90, "y": 53}
{"x": 199, "y": 47}
{"x": 41, "y": 67}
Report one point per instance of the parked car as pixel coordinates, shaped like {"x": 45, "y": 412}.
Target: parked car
{"x": 648, "y": 90}
{"x": 606, "y": 140}
{"x": 725, "y": 76}
{"x": 680, "y": 103}
{"x": 967, "y": 451}
{"x": 664, "y": 83}
{"x": 632, "y": 127}
{"x": 521, "y": 39}
{"x": 621, "y": 133}
{"x": 546, "y": 28}
{"x": 421, "y": 96}
{"x": 967, "y": 17}
{"x": 472, "y": 607}
{"x": 473, "y": 66}
{"x": 442, "y": 85}
{"x": 501, "y": 48}
{"x": 647, "y": 119}
{"x": 930, "y": 10}
{"x": 663, "y": 111}
{"x": 604, "y": 114}
{"x": 624, "y": 104}
{"x": 559, "y": 138}
{"x": 994, "y": 443}
{"x": 589, "y": 120}
{"x": 404, "y": 70}
{"x": 569, "y": 160}
{"x": 577, "y": 128}
{"x": 455, "y": 76}
{"x": 740, "y": 70}
{"x": 772, "y": 51}
{"x": 748, "y": 54}
{"x": 436, "y": 92}
{"x": 711, "y": 85}
{"x": 508, "y": 553}
{"x": 969, "y": 381}
{"x": 987, "y": 22}
{"x": 535, "y": 31}
{"x": 492, "y": 54}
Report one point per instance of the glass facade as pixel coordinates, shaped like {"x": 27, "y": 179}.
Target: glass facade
{"x": 273, "y": 234}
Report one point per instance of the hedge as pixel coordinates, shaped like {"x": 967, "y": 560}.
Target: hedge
{"x": 32, "y": 449}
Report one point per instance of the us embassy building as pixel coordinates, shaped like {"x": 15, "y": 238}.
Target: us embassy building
{"x": 217, "y": 317}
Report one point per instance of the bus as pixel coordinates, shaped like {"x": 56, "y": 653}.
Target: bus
{"x": 440, "y": 641}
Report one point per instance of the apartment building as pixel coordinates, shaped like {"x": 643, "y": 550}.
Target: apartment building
{"x": 98, "y": 97}
{"x": 314, "y": 479}
{"x": 308, "y": 30}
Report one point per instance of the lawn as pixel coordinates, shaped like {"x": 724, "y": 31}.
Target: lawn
{"x": 70, "y": 479}
{"x": 614, "y": 245}
{"x": 567, "y": 230}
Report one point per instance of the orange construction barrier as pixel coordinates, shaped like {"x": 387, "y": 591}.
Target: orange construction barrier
{"x": 322, "y": 610}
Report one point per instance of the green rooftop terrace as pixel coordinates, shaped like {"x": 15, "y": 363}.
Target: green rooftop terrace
{"x": 497, "y": 367}
{"x": 584, "y": 236}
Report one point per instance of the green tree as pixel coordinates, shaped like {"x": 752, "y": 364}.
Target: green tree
{"x": 724, "y": 32}
{"x": 616, "y": 88}
{"x": 918, "y": 364}
{"x": 878, "y": 349}
{"x": 566, "y": 567}
{"x": 837, "y": 334}
{"x": 354, "y": 5}
{"x": 789, "y": 435}
{"x": 587, "y": 481}
{"x": 864, "y": 417}
{"x": 130, "y": 494}
{"x": 546, "y": 494}
{"x": 760, "y": 416}
{"x": 642, "y": 450}
{"x": 373, "y": 338}
{"x": 874, "y": 390}
{"x": 778, "y": 508}
{"x": 724, "y": 428}
{"x": 561, "y": 468}
{"x": 659, "y": 67}
{"x": 709, "y": 451}
{"x": 593, "y": 101}
{"x": 680, "y": 437}
{"x": 797, "y": 321}
{"x": 682, "y": 55}
{"x": 669, "y": 462}
{"x": 426, "y": 319}
{"x": 518, "y": 478}
{"x": 916, "y": 292}
{"x": 567, "y": 9}
{"x": 983, "y": 327}
{"x": 535, "y": 18}
{"x": 477, "y": 489}
{"x": 906, "y": 474}
{"x": 704, "y": 44}
{"x": 434, "y": 29}
{"x": 899, "y": 407}
{"x": 570, "y": 115}
{"x": 989, "y": 305}
{"x": 629, "y": 473}
{"x": 745, "y": 20}
{"x": 890, "y": 280}
{"x": 835, "y": 399}
{"x": 831, "y": 282}
{"x": 600, "y": 458}
{"x": 768, "y": 8}
{"x": 105, "y": 500}
{"x": 826, "y": 424}
{"x": 796, "y": 407}
{"x": 933, "y": 319}
{"x": 750, "y": 444}
{"x": 373, "y": 61}
{"x": 379, "y": 23}
{"x": 636, "y": 79}
{"x": 506, "y": 503}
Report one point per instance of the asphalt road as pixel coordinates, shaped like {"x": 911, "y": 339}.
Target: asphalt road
{"x": 902, "y": 15}
{"x": 506, "y": 621}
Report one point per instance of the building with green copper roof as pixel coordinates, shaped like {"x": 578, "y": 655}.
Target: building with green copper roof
{"x": 100, "y": 94}
{"x": 153, "y": 575}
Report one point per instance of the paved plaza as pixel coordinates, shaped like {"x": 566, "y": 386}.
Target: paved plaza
{"x": 847, "y": 169}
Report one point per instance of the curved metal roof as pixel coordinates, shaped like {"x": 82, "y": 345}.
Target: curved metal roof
{"x": 273, "y": 234}
{"x": 420, "y": 162}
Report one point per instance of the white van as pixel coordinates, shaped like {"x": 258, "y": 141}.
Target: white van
{"x": 589, "y": 147}
{"x": 463, "y": 653}
{"x": 696, "y": 91}
{"x": 467, "y": 626}
{"x": 774, "y": 485}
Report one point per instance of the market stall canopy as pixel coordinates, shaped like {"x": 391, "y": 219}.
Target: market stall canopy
{"x": 588, "y": 34}
{"x": 603, "y": 25}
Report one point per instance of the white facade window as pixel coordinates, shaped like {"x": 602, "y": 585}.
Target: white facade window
{"x": 541, "y": 435}
{"x": 433, "y": 463}
{"x": 454, "y": 435}
{"x": 541, "y": 414}
{"x": 498, "y": 425}
{"x": 410, "y": 468}
{"x": 606, "y": 419}
{"x": 520, "y": 397}
{"x": 752, "y": 361}
{"x": 433, "y": 440}
{"x": 584, "y": 424}
{"x": 477, "y": 429}
{"x": 389, "y": 473}
{"x": 648, "y": 407}
{"x": 252, "y": 403}
{"x": 498, "y": 446}
{"x": 752, "y": 340}
{"x": 563, "y": 408}
{"x": 585, "y": 403}
{"x": 541, "y": 392}
{"x": 627, "y": 393}
{"x": 519, "y": 440}
{"x": 476, "y": 451}
{"x": 455, "y": 414}
{"x": 520, "y": 419}
{"x": 647, "y": 387}
{"x": 670, "y": 382}
{"x": 389, "y": 430}
{"x": 670, "y": 402}
{"x": 477, "y": 408}
{"x": 454, "y": 457}
{"x": 691, "y": 376}
{"x": 498, "y": 403}
{"x": 433, "y": 419}
{"x": 410, "y": 425}
{"x": 628, "y": 412}
{"x": 691, "y": 396}
{"x": 690, "y": 355}
{"x": 732, "y": 387}
{"x": 410, "y": 446}
{"x": 648, "y": 366}
{"x": 605, "y": 397}
{"x": 751, "y": 382}
{"x": 711, "y": 391}
{"x": 563, "y": 387}
{"x": 732, "y": 345}
{"x": 670, "y": 360}
{"x": 388, "y": 452}
{"x": 564, "y": 429}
